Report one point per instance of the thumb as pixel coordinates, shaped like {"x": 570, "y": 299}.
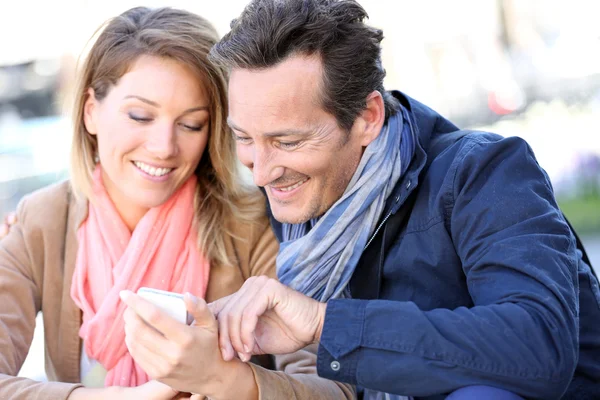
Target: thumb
{"x": 199, "y": 310}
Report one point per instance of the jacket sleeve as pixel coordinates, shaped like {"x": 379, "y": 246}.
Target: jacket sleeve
{"x": 20, "y": 300}
{"x": 519, "y": 260}
{"x": 296, "y": 375}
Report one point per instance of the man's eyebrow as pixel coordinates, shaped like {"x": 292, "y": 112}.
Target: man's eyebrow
{"x": 284, "y": 132}
{"x": 155, "y": 104}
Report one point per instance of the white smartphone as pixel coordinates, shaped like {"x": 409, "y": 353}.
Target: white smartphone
{"x": 170, "y": 303}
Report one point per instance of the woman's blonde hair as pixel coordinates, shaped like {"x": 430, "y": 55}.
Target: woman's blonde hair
{"x": 187, "y": 38}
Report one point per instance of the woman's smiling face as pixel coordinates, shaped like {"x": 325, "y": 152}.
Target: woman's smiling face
{"x": 152, "y": 129}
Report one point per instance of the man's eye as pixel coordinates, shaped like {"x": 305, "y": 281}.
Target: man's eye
{"x": 241, "y": 139}
{"x": 289, "y": 145}
{"x": 139, "y": 118}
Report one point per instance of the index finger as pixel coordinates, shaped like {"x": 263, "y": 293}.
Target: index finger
{"x": 218, "y": 305}
{"x": 152, "y": 315}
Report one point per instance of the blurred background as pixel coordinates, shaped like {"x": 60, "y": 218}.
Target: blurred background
{"x": 528, "y": 68}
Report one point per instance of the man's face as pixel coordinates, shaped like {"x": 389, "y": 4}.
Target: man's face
{"x": 295, "y": 149}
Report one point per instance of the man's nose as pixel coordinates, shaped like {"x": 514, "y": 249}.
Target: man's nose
{"x": 265, "y": 168}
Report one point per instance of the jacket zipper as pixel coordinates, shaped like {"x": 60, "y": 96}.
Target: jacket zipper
{"x": 378, "y": 229}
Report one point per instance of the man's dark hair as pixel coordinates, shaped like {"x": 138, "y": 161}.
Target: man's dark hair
{"x": 268, "y": 31}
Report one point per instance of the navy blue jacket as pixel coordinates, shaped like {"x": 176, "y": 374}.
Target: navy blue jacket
{"x": 480, "y": 287}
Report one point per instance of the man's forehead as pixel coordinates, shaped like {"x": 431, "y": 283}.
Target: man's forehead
{"x": 277, "y": 129}
{"x": 298, "y": 78}
{"x": 278, "y": 101}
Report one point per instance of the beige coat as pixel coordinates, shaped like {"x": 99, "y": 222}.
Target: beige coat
{"x": 37, "y": 259}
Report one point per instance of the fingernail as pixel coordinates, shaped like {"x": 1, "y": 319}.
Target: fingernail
{"x": 246, "y": 348}
{"x": 191, "y": 297}
{"x": 243, "y": 357}
{"x": 124, "y": 295}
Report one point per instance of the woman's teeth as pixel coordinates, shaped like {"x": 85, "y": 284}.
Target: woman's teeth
{"x": 151, "y": 170}
{"x": 289, "y": 188}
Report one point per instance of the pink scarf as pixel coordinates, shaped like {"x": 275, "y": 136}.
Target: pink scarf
{"x": 161, "y": 253}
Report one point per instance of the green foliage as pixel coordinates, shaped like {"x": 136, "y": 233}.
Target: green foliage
{"x": 583, "y": 212}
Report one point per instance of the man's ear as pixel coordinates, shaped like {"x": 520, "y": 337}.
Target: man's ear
{"x": 371, "y": 119}
{"x": 90, "y": 112}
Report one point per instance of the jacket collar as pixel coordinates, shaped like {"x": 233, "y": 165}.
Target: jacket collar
{"x": 79, "y": 207}
{"x": 424, "y": 123}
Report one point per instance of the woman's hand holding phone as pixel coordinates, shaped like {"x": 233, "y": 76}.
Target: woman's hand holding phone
{"x": 187, "y": 358}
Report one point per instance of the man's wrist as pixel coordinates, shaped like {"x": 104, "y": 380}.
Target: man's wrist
{"x": 322, "y": 308}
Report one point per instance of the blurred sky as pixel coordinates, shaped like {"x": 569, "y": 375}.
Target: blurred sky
{"x": 45, "y": 29}
{"x": 448, "y": 54}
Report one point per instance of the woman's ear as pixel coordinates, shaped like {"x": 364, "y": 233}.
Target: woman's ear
{"x": 90, "y": 111}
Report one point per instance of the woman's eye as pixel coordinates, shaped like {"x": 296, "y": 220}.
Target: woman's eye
{"x": 139, "y": 118}
{"x": 193, "y": 128}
